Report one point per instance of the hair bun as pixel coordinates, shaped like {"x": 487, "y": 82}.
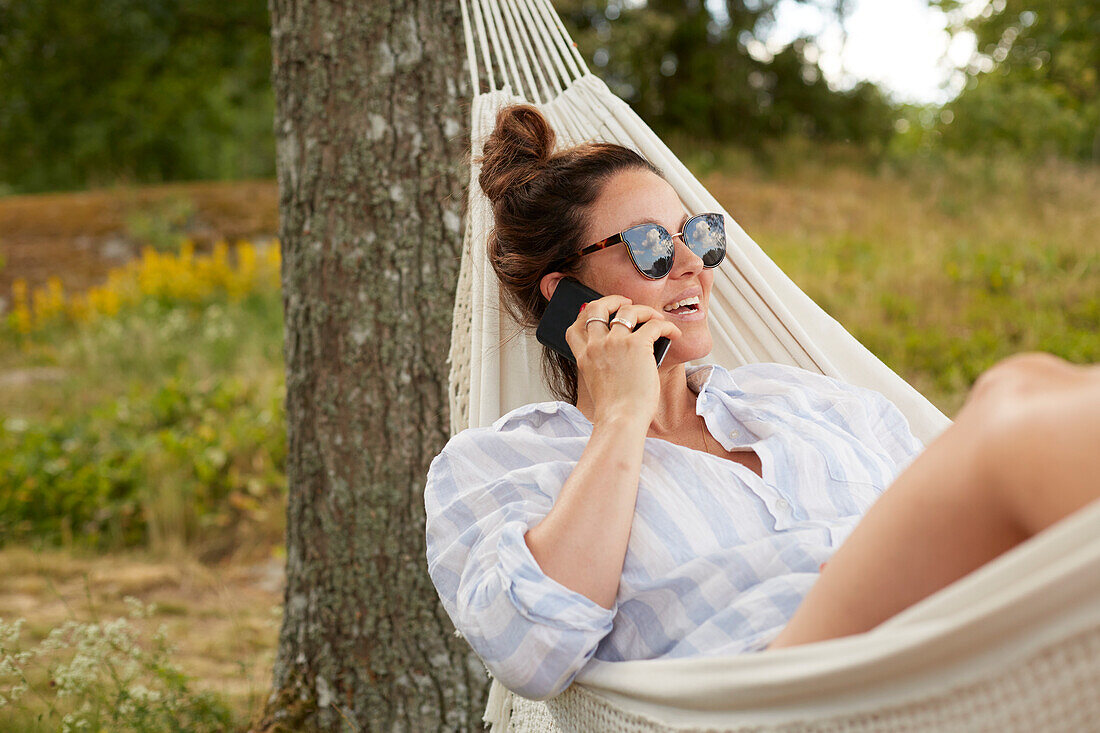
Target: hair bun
{"x": 516, "y": 151}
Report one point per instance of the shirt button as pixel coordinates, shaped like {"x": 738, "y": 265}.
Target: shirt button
{"x": 735, "y": 433}
{"x": 782, "y": 505}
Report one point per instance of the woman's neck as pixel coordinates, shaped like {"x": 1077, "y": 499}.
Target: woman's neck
{"x": 675, "y": 411}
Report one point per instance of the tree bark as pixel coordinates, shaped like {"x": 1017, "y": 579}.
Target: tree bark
{"x": 371, "y": 130}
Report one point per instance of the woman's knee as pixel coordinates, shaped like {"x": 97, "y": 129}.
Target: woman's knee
{"x": 1026, "y": 405}
{"x": 1011, "y": 381}
{"x": 1006, "y": 404}
{"x": 1015, "y": 392}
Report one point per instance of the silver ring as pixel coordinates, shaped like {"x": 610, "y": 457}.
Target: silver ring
{"x": 595, "y": 318}
{"x": 628, "y": 324}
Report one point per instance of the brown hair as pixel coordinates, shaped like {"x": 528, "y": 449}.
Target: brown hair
{"x": 541, "y": 200}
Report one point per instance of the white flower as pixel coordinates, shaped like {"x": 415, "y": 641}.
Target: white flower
{"x": 139, "y": 609}
{"x": 143, "y": 694}
{"x": 9, "y": 633}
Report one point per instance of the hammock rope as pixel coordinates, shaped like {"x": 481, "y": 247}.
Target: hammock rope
{"x": 527, "y": 37}
{"x": 939, "y": 665}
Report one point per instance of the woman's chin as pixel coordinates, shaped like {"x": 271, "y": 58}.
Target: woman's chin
{"x": 689, "y": 347}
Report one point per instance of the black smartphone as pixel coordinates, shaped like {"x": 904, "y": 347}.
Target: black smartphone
{"x": 561, "y": 312}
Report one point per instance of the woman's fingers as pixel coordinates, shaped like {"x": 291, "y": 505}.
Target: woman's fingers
{"x": 614, "y": 318}
{"x": 615, "y": 361}
{"x": 602, "y": 308}
{"x": 656, "y": 328}
{"x": 586, "y": 323}
{"x": 631, "y": 317}
{"x": 621, "y": 320}
{"x": 626, "y": 322}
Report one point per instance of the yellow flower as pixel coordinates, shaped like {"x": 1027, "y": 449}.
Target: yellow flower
{"x": 21, "y": 319}
{"x": 183, "y": 276}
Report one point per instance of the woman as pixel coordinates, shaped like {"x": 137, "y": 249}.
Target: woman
{"x": 679, "y": 511}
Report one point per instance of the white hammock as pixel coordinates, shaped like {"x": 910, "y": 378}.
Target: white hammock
{"x": 1015, "y": 646}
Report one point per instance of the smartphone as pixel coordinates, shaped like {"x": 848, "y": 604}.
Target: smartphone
{"x": 562, "y": 312}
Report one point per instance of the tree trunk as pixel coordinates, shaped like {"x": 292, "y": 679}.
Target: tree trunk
{"x": 371, "y": 133}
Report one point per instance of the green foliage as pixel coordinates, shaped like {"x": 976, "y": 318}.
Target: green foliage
{"x": 94, "y": 92}
{"x": 1034, "y": 86}
{"x": 170, "y": 431}
{"x": 102, "y": 676}
{"x": 101, "y": 92}
{"x": 1002, "y": 115}
{"x": 686, "y": 71}
{"x": 176, "y": 458}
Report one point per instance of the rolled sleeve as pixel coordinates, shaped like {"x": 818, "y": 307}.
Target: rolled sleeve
{"x": 533, "y": 633}
{"x": 540, "y": 598}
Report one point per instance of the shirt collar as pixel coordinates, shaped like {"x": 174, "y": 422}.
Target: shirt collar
{"x": 709, "y": 377}
{"x": 698, "y": 377}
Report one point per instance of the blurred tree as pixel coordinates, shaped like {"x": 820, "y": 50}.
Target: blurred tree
{"x": 372, "y": 104}
{"x": 685, "y": 66}
{"x": 1034, "y": 83}
{"x": 94, "y": 92}
{"x": 98, "y": 91}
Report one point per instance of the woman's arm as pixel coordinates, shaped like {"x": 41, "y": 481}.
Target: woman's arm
{"x": 533, "y": 634}
{"x": 581, "y": 543}
{"x": 534, "y": 600}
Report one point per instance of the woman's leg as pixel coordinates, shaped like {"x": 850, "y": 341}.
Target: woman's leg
{"x": 1023, "y": 453}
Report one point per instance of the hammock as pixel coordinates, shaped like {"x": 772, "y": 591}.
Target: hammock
{"x": 1013, "y": 646}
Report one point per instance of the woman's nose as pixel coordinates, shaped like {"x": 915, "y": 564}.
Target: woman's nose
{"x": 684, "y": 259}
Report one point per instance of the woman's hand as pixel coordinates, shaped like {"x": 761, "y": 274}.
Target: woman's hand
{"x": 617, "y": 364}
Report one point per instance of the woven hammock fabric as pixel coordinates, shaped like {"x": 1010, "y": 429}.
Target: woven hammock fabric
{"x": 1012, "y": 647}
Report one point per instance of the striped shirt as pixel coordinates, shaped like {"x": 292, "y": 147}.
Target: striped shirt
{"x": 718, "y": 557}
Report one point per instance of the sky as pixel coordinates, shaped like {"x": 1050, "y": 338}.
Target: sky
{"x": 902, "y": 45}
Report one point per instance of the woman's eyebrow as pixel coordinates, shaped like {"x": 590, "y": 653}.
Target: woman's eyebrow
{"x": 643, "y": 220}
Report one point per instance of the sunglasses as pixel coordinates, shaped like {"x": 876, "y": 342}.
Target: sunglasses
{"x": 652, "y": 248}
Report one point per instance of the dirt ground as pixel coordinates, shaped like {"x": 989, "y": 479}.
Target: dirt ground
{"x": 222, "y": 620}
{"x": 79, "y": 237}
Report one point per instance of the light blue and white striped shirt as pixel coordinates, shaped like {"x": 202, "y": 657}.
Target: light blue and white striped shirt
{"x": 718, "y": 557}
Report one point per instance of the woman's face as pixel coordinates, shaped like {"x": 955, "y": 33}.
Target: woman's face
{"x": 635, "y": 197}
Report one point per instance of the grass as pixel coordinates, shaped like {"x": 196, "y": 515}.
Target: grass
{"x": 181, "y": 365}
{"x": 70, "y": 369}
{"x": 149, "y": 411}
{"x": 78, "y": 237}
{"x": 162, "y": 426}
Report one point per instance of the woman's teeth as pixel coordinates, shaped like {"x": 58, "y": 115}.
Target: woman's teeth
{"x": 693, "y": 301}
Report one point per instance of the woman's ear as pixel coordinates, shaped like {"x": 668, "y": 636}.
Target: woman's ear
{"x": 549, "y": 283}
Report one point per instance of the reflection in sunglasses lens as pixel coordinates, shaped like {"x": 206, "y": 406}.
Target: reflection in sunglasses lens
{"x": 706, "y": 236}
{"x": 651, "y": 249}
